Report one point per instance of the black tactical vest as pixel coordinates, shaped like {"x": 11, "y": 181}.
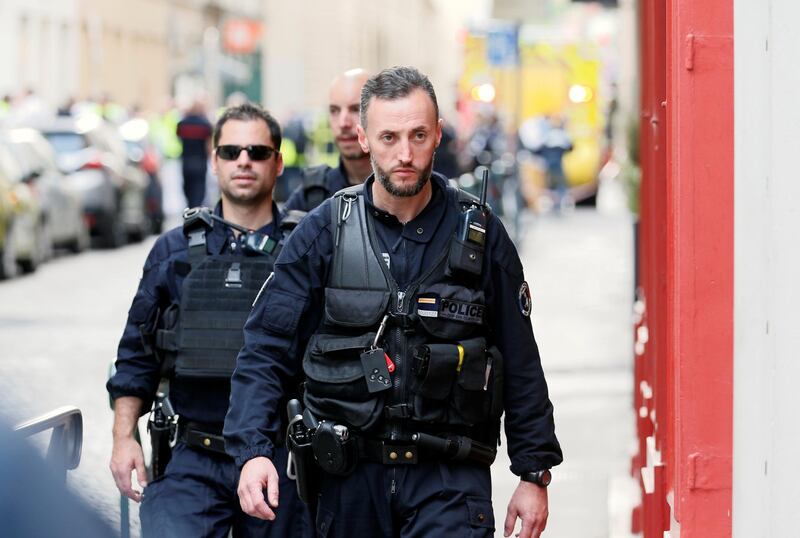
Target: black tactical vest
{"x": 216, "y": 299}
{"x": 447, "y": 375}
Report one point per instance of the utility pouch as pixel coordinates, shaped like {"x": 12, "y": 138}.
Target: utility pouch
{"x": 335, "y": 384}
{"x": 472, "y": 365}
{"x": 471, "y": 396}
{"x": 435, "y": 367}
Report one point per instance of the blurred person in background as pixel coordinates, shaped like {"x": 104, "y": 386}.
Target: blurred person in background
{"x": 185, "y": 326}
{"x": 194, "y": 131}
{"x": 555, "y": 142}
{"x": 321, "y": 182}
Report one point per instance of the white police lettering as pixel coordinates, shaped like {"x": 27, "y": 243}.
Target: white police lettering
{"x": 524, "y": 299}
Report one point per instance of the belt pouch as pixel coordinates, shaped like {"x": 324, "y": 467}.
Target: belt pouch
{"x": 442, "y": 361}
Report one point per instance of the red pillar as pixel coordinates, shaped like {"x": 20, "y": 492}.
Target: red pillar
{"x": 684, "y": 370}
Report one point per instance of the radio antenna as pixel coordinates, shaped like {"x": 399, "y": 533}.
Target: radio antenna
{"x": 484, "y": 186}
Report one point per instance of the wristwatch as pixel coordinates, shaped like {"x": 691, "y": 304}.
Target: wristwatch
{"x": 540, "y": 478}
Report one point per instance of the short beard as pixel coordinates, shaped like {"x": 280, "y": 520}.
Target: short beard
{"x": 353, "y": 156}
{"x": 393, "y": 189}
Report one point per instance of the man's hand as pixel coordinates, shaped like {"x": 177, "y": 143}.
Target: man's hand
{"x": 125, "y": 457}
{"x": 258, "y": 474}
{"x": 529, "y": 503}
{"x": 127, "y": 453}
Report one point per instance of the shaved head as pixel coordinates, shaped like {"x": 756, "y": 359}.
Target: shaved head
{"x": 344, "y": 98}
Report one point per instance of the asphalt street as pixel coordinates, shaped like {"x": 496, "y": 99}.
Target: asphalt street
{"x": 59, "y": 330}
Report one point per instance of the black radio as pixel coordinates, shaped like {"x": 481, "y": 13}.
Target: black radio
{"x": 466, "y": 252}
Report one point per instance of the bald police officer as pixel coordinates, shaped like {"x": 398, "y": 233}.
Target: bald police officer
{"x": 320, "y": 182}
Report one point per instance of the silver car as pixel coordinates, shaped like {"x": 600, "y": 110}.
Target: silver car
{"x": 61, "y": 202}
{"x": 94, "y": 157}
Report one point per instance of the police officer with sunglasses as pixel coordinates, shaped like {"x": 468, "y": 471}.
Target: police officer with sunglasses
{"x": 185, "y": 327}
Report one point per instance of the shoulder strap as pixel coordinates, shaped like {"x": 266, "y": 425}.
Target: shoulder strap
{"x": 355, "y": 265}
{"x": 197, "y": 222}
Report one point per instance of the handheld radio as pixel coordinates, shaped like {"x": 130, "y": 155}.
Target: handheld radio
{"x": 466, "y": 253}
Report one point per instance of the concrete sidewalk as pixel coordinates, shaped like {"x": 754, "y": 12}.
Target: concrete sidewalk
{"x": 580, "y": 269}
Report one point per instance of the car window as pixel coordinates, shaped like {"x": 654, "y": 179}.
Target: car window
{"x": 66, "y": 142}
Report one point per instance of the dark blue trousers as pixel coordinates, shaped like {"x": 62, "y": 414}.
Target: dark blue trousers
{"x": 194, "y": 181}
{"x": 197, "y": 498}
{"x": 405, "y": 501}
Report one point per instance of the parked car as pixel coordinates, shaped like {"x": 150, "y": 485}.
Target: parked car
{"x": 142, "y": 152}
{"x": 93, "y": 155}
{"x": 23, "y": 242}
{"x": 60, "y": 201}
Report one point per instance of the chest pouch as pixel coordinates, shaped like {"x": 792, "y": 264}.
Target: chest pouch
{"x": 454, "y": 383}
{"x": 450, "y": 312}
{"x": 336, "y": 387}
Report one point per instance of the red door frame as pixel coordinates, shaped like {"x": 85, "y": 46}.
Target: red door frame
{"x": 684, "y": 359}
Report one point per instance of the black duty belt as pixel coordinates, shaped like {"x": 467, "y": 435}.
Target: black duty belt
{"x": 203, "y": 436}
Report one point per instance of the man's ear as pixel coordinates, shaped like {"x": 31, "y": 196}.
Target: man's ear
{"x": 279, "y": 157}
{"x": 439, "y": 125}
{"x": 362, "y": 138}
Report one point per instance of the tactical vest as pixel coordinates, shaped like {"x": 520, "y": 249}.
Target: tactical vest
{"x": 216, "y": 299}
{"x": 446, "y": 374}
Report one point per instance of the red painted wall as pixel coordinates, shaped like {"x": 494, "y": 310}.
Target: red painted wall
{"x": 686, "y": 264}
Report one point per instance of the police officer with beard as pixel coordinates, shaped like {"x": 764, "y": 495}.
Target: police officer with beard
{"x": 185, "y": 323}
{"x": 320, "y": 182}
{"x": 403, "y": 303}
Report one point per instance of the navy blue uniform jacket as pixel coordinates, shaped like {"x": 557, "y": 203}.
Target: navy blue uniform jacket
{"x": 335, "y": 180}
{"x": 290, "y": 310}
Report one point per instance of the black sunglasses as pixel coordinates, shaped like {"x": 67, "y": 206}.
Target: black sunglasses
{"x": 257, "y": 152}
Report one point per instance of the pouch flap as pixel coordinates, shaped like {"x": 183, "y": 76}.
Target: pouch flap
{"x": 336, "y": 359}
{"x": 480, "y": 512}
{"x": 355, "y": 308}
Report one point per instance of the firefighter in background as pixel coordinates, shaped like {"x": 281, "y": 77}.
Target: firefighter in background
{"x": 194, "y": 131}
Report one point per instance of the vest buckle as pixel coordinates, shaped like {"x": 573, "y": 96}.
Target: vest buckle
{"x": 398, "y": 411}
{"x": 234, "y": 277}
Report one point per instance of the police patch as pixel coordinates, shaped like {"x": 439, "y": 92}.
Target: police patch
{"x": 461, "y": 311}
{"x": 524, "y": 299}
